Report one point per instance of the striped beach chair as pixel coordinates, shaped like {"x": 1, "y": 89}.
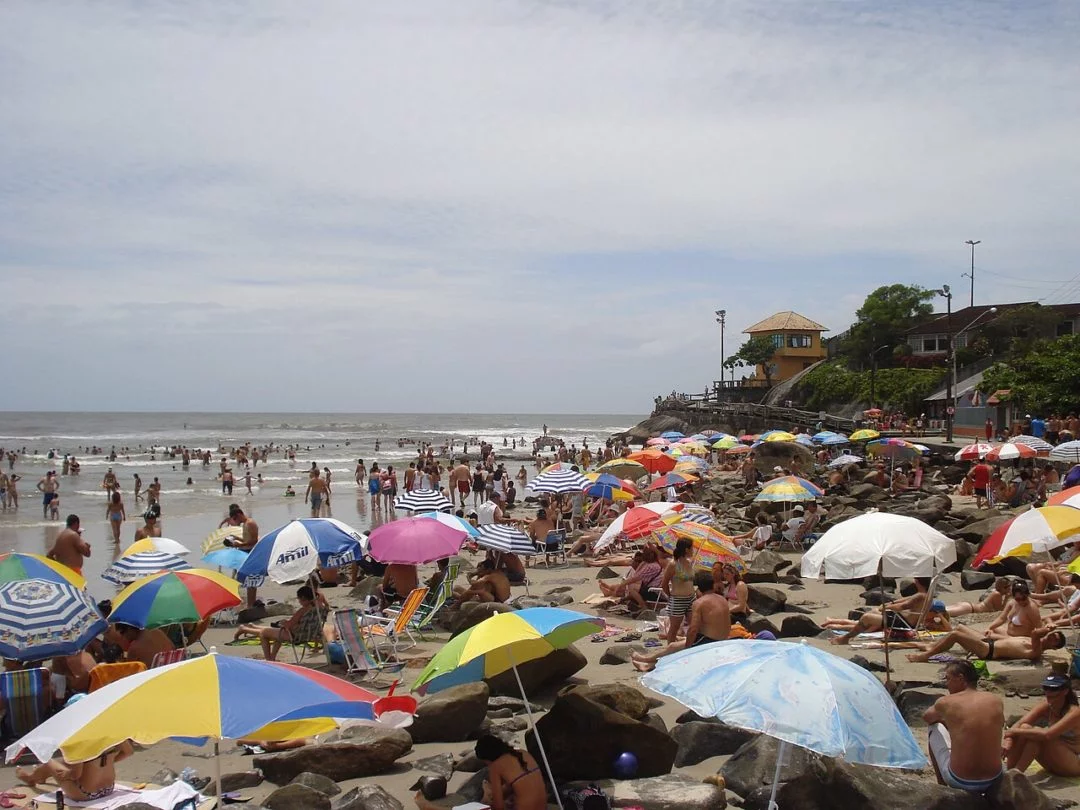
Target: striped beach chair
{"x": 358, "y": 658}
{"x": 166, "y": 657}
{"x": 27, "y": 697}
{"x": 396, "y": 624}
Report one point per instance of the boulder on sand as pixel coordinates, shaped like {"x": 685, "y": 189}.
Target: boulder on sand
{"x": 753, "y": 765}
{"x": 367, "y": 797}
{"x": 540, "y": 673}
{"x": 296, "y": 797}
{"x": 794, "y": 626}
{"x": 765, "y": 600}
{"x": 699, "y": 741}
{"x": 670, "y": 792}
{"x": 348, "y": 754}
{"x": 976, "y": 580}
{"x": 470, "y": 614}
{"x": 618, "y": 696}
{"x": 450, "y": 715}
{"x": 765, "y": 566}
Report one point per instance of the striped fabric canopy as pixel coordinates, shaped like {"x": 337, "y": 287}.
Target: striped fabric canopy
{"x": 129, "y": 568}
{"x": 41, "y": 619}
{"x": 506, "y": 539}
{"x": 422, "y": 500}
{"x": 560, "y": 482}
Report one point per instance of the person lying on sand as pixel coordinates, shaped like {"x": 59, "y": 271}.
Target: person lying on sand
{"x": 993, "y": 602}
{"x": 991, "y": 648}
{"x": 710, "y": 620}
{"x": 304, "y": 623}
{"x": 82, "y": 782}
{"x": 909, "y": 608}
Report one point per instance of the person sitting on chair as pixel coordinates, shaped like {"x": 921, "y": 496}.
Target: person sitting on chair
{"x": 899, "y": 612}
{"x": 296, "y": 627}
{"x": 485, "y": 585}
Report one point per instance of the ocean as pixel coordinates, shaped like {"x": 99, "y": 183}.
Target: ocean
{"x": 191, "y": 511}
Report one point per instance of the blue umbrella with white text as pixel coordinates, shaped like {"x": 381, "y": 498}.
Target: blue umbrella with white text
{"x": 297, "y": 549}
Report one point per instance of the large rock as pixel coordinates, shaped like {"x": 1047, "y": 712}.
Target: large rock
{"x": 351, "y": 753}
{"x": 539, "y": 674}
{"x": 367, "y": 797}
{"x": 583, "y": 738}
{"x": 471, "y": 614}
{"x": 765, "y": 600}
{"x": 794, "y": 626}
{"x": 831, "y": 784}
{"x": 765, "y": 566}
{"x": 670, "y": 792}
{"x": 976, "y": 580}
{"x": 756, "y": 623}
{"x": 753, "y": 765}
{"x": 1014, "y": 791}
{"x": 913, "y": 703}
{"x": 450, "y": 715}
{"x": 233, "y": 781}
{"x": 618, "y": 696}
{"x": 296, "y": 797}
{"x": 620, "y": 653}
{"x": 316, "y": 781}
{"x": 698, "y": 741}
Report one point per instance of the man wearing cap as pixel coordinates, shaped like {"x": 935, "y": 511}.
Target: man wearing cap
{"x": 965, "y": 732}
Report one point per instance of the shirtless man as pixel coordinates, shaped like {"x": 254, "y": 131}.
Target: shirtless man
{"x": 486, "y": 585}
{"x": 138, "y": 488}
{"x": 153, "y": 493}
{"x": 538, "y": 530}
{"x": 315, "y": 493}
{"x": 410, "y": 477}
{"x": 461, "y": 481}
{"x": 1019, "y": 618}
{"x": 993, "y": 648}
{"x": 710, "y": 620}
{"x": 150, "y": 527}
{"x": 109, "y": 483}
{"x": 69, "y": 548}
{"x": 974, "y": 720}
{"x": 84, "y": 781}
{"x": 910, "y": 609}
{"x": 143, "y": 645}
{"x": 246, "y": 541}
{"x": 49, "y": 488}
{"x": 398, "y": 581}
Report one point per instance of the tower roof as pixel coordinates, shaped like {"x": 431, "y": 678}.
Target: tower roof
{"x": 785, "y": 321}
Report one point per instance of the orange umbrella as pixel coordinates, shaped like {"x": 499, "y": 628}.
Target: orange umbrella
{"x": 654, "y": 461}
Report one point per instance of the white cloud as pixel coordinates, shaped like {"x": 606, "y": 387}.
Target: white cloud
{"x": 549, "y": 199}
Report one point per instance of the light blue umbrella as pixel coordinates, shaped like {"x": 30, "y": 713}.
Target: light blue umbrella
{"x": 823, "y": 435}
{"x": 804, "y": 439}
{"x": 453, "y": 521}
{"x": 672, "y": 435}
{"x": 231, "y": 558}
{"x": 838, "y": 439}
{"x": 794, "y": 692}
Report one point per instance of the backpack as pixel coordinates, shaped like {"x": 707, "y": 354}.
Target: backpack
{"x": 589, "y": 797}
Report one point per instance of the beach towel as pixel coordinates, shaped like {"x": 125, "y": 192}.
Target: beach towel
{"x": 172, "y": 797}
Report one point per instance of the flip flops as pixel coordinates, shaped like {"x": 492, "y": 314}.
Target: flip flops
{"x": 628, "y": 637}
{"x": 7, "y": 796}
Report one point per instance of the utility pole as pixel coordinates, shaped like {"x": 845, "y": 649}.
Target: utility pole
{"x": 949, "y": 361}
{"x": 721, "y": 318}
{"x": 971, "y": 275}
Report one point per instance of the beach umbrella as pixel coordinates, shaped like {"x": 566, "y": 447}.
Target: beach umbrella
{"x": 1035, "y": 530}
{"x": 725, "y": 443}
{"x": 710, "y": 546}
{"x": 892, "y": 448}
{"x": 624, "y": 468}
{"x": 845, "y": 459}
{"x": 709, "y": 433}
{"x": 777, "y": 436}
{"x": 1041, "y": 446}
{"x": 559, "y": 482}
{"x": 559, "y": 465}
{"x": 501, "y": 643}
{"x": 423, "y": 500}
{"x": 18, "y": 565}
{"x": 632, "y": 520}
{"x": 749, "y": 437}
{"x": 897, "y": 545}
{"x": 415, "y": 541}
{"x": 922, "y": 448}
{"x": 1067, "y": 497}
{"x": 804, "y": 439}
{"x": 1011, "y": 451}
{"x": 822, "y": 435}
{"x": 866, "y": 434}
{"x": 788, "y": 488}
{"x": 213, "y": 697}
{"x": 737, "y": 450}
{"x": 699, "y": 514}
{"x": 295, "y": 550}
{"x": 608, "y": 487}
{"x": 653, "y": 460}
{"x": 174, "y": 597}
{"x": 1069, "y": 452}
{"x": 836, "y": 441}
{"x": 163, "y": 544}
{"x": 453, "y": 521}
{"x": 231, "y": 558}
{"x": 506, "y": 539}
{"x": 656, "y": 442}
{"x": 42, "y": 619}
{"x": 794, "y": 692}
{"x": 672, "y": 435}
{"x": 672, "y": 479}
{"x": 222, "y": 538}
{"x": 973, "y": 452}
{"x": 130, "y": 567}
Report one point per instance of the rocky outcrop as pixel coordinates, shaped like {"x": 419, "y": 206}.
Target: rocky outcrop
{"x": 350, "y": 753}
{"x": 699, "y": 741}
{"x": 671, "y": 792}
{"x": 450, "y": 715}
{"x": 539, "y": 674}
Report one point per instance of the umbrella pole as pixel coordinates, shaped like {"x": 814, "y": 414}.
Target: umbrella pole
{"x": 217, "y": 771}
{"x": 536, "y": 731}
{"x": 884, "y": 620}
{"x": 781, "y": 752}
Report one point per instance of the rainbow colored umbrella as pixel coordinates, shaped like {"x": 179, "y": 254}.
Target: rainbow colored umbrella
{"x": 710, "y": 546}
{"x": 213, "y": 697}
{"x": 789, "y": 488}
{"x": 501, "y": 643}
{"x": 892, "y": 448}
{"x": 673, "y": 479}
{"x": 1035, "y": 530}
{"x": 18, "y": 565}
{"x": 174, "y": 597}
{"x": 608, "y": 487}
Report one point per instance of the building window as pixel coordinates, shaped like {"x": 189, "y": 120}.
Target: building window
{"x": 961, "y": 340}
{"x": 799, "y": 341}
{"x": 933, "y": 343}
{"x": 778, "y": 341}
{"x": 1064, "y": 328}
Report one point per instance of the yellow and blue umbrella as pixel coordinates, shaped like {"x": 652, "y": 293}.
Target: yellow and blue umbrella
{"x": 777, "y": 436}
{"x": 161, "y": 544}
{"x": 18, "y": 565}
{"x": 608, "y": 487}
{"x": 789, "y": 488}
{"x": 866, "y": 434}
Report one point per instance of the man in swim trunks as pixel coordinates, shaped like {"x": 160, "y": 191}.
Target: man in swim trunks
{"x": 966, "y": 732}
{"x": 710, "y": 620}
{"x": 48, "y": 487}
{"x": 69, "y": 548}
{"x": 993, "y": 648}
{"x": 84, "y": 781}
{"x": 316, "y": 492}
{"x": 461, "y": 481}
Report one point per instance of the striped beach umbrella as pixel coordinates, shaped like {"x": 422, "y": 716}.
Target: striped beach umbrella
{"x": 844, "y": 459}
{"x": 18, "y": 565}
{"x": 163, "y": 544}
{"x": 559, "y": 482}
{"x": 295, "y": 550}
{"x": 789, "y": 488}
{"x": 1041, "y": 446}
{"x": 973, "y": 452}
{"x": 174, "y": 597}
{"x": 1069, "y": 452}
{"x": 130, "y": 567}
{"x": 41, "y": 619}
{"x": 835, "y": 440}
{"x": 699, "y": 514}
{"x": 505, "y": 538}
{"x": 422, "y": 500}
{"x": 1040, "y": 529}
{"x": 220, "y": 538}
{"x": 1067, "y": 497}
{"x": 1011, "y": 452}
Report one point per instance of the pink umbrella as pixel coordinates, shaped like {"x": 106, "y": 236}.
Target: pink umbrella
{"x": 414, "y": 541}
{"x": 657, "y": 442}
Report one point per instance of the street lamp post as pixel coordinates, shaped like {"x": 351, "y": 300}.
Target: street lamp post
{"x": 873, "y": 370}
{"x": 721, "y": 318}
{"x": 971, "y": 275}
{"x": 949, "y": 404}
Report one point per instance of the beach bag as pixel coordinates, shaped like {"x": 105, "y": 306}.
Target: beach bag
{"x": 590, "y": 797}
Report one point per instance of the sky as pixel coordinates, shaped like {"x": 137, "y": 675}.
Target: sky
{"x": 480, "y": 206}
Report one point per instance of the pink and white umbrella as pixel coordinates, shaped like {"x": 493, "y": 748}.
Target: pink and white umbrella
{"x": 1010, "y": 452}
{"x": 973, "y": 452}
{"x": 657, "y": 442}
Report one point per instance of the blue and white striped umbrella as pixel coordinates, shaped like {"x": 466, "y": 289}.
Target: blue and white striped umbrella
{"x": 296, "y": 549}
{"x": 142, "y": 564}
{"x": 695, "y": 513}
{"x": 560, "y": 482}
{"x": 1069, "y": 451}
{"x": 845, "y": 459}
{"x": 453, "y": 521}
{"x": 506, "y": 538}
{"x": 422, "y": 500}
{"x": 41, "y": 619}
{"x": 823, "y": 435}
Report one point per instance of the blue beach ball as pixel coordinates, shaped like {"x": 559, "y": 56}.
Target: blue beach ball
{"x": 626, "y": 765}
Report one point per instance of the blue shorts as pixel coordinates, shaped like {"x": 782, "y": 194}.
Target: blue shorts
{"x": 373, "y": 486}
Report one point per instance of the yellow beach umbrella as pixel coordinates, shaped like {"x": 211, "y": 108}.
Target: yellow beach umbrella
{"x": 863, "y": 435}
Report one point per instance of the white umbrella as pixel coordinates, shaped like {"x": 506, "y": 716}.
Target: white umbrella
{"x": 163, "y": 544}
{"x": 844, "y": 459}
{"x": 615, "y": 529}
{"x": 560, "y": 482}
{"x": 973, "y": 451}
{"x": 1069, "y": 451}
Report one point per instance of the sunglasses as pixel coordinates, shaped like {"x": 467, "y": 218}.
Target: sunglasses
{"x": 1053, "y": 689}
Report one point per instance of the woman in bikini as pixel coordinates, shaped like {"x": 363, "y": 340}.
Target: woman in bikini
{"x": 727, "y": 581}
{"x": 678, "y": 584}
{"x": 514, "y": 778}
{"x": 116, "y": 514}
{"x": 83, "y": 781}
{"x": 993, "y": 602}
{"x": 1056, "y": 745}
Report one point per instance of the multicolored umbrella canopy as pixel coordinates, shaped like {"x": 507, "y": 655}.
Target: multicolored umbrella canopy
{"x": 41, "y": 619}
{"x": 892, "y": 448}
{"x": 174, "y": 597}
{"x": 18, "y": 565}
{"x": 737, "y": 450}
{"x": 130, "y": 567}
{"x": 632, "y": 521}
{"x": 163, "y": 544}
{"x": 1067, "y": 497}
{"x": 453, "y": 521}
{"x": 689, "y": 449}
{"x": 864, "y": 435}
{"x": 1041, "y": 446}
{"x": 295, "y": 550}
{"x": 789, "y": 488}
{"x": 608, "y": 487}
{"x": 559, "y": 482}
{"x": 1039, "y": 529}
{"x": 216, "y": 697}
{"x": 623, "y": 468}
{"x": 415, "y": 541}
{"x": 653, "y": 460}
{"x": 672, "y": 479}
{"x": 710, "y": 546}
{"x": 691, "y": 464}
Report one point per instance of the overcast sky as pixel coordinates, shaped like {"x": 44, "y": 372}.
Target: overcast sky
{"x": 503, "y": 206}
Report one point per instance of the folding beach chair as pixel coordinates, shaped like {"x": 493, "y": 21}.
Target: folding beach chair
{"x": 554, "y": 545}
{"x": 308, "y": 634}
{"x": 358, "y": 659}
{"x": 429, "y": 608}
{"x": 396, "y": 623}
{"x": 166, "y": 657}
{"x": 27, "y": 697}
{"x": 104, "y": 674}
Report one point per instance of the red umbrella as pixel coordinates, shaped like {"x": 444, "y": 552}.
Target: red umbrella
{"x": 973, "y": 452}
{"x": 1007, "y": 452}
{"x": 639, "y": 522}
{"x": 654, "y": 461}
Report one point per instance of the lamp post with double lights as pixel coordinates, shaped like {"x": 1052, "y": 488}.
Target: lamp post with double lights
{"x": 950, "y": 406}
{"x": 721, "y": 318}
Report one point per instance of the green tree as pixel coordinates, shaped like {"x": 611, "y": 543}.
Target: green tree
{"x": 1013, "y": 331}
{"x": 880, "y": 323}
{"x": 757, "y": 351}
{"x": 1042, "y": 378}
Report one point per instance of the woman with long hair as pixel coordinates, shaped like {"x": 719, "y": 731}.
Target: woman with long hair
{"x": 678, "y": 584}
{"x": 514, "y": 778}
{"x": 728, "y": 583}
{"x": 116, "y": 514}
{"x": 1056, "y": 745}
